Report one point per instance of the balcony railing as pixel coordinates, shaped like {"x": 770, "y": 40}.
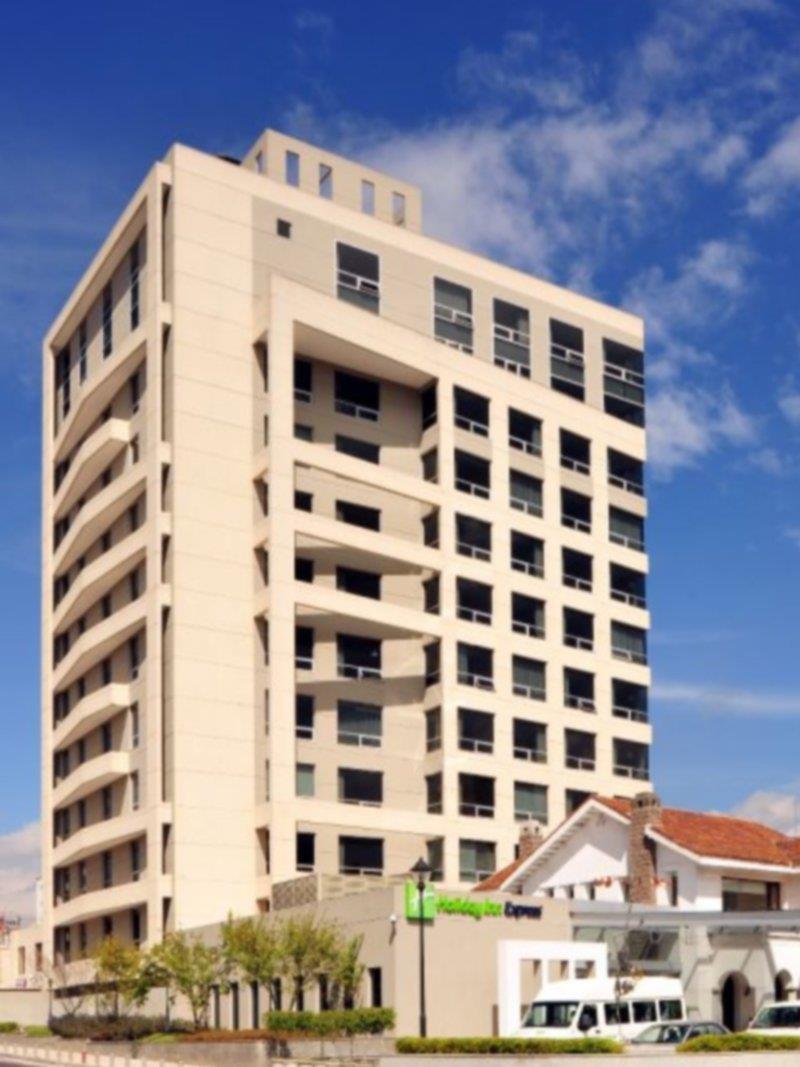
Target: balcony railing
{"x": 534, "y": 569}
{"x": 628, "y": 598}
{"x": 531, "y": 447}
{"x": 473, "y": 488}
{"x": 580, "y": 763}
{"x": 357, "y": 283}
{"x": 472, "y": 425}
{"x": 475, "y": 744}
{"x": 630, "y": 655}
{"x": 581, "y": 703}
{"x": 531, "y": 692}
{"x": 530, "y": 629}
{"x": 477, "y": 811}
{"x": 623, "y": 374}
{"x": 461, "y": 319}
{"x": 530, "y": 507}
{"x": 360, "y": 802}
{"x": 354, "y": 737}
{"x": 304, "y": 663}
{"x": 473, "y": 615}
{"x": 627, "y": 541}
{"x": 626, "y": 483}
{"x": 574, "y": 582}
{"x": 522, "y": 369}
{"x": 468, "y": 874}
{"x": 473, "y": 551}
{"x": 371, "y": 872}
{"x": 358, "y": 411}
{"x": 624, "y": 771}
{"x": 513, "y": 337}
{"x": 302, "y": 395}
{"x": 633, "y": 714}
{"x": 576, "y": 465}
{"x": 534, "y": 755}
{"x": 573, "y": 523}
{"x": 573, "y": 641}
{"x": 477, "y": 681}
{"x": 356, "y": 670}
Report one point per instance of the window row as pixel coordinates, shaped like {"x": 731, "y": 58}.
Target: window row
{"x": 359, "y": 283}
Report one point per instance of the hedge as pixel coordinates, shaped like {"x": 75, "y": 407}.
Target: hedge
{"x": 743, "y": 1042}
{"x": 513, "y": 1046}
{"x": 37, "y": 1031}
{"x": 8, "y": 1028}
{"x": 331, "y": 1023}
{"x": 98, "y": 1028}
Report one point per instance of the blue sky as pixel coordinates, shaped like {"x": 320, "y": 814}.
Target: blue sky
{"x": 644, "y": 152}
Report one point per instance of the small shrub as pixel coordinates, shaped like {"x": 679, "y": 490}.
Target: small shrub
{"x": 743, "y": 1042}
{"x": 513, "y": 1046}
{"x": 346, "y": 1023}
{"x": 37, "y": 1031}
{"x": 8, "y": 1028}
{"x": 97, "y": 1028}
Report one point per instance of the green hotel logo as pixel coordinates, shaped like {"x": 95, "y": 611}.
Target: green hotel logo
{"x": 434, "y": 903}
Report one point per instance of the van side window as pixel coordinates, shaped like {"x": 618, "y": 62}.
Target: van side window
{"x": 587, "y": 1019}
{"x": 644, "y": 1011}
{"x": 617, "y": 1014}
{"x": 670, "y": 1009}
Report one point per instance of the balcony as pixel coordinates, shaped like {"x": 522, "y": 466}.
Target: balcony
{"x": 90, "y": 712}
{"x": 476, "y": 796}
{"x": 629, "y": 701}
{"x": 578, "y": 630}
{"x": 106, "y": 834}
{"x": 524, "y": 432}
{"x": 628, "y": 643}
{"x": 575, "y": 453}
{"x": 358, "y": 657}
{"x": 626, "y": 529}
{"x": 475, "y": 731}
{"x": 475, "y": 666}
{"x": 528, "y": 678}
{"x": 96, "y": 453}
{"x": 97, "y": 515}
{"x": 530, "y": 741}
{"x": 357, "y": 397}
{"x": 472, "y": 475}
{"x": 566, "y": 359}
{"x": 525, "y": 493}
{"x": 527, "y": 554}
{"x": 577, "y": 570}
{"x": 474, "y": 601}
{"x": 94, "y": 397}
{"x": 527, "y": 615}
{"x": 97, "y": 643}
{"x": 579, "y": 690}
{"x": 360, "y": 787}
{"x": 99, "y": 577}
{"x": 625, "y": 472}
{"x": 576, "y": 511}
{"x": 631, "y": 760}
{"x": 358, "y": 278}
{"x": 99, "y": 902}
{"x": 473, "y": 538}
{"x": 623, "y": 382}
{"x": 628, "y": 586}
{"x": 91, "y": 776}
{"x": 471, "y": 412}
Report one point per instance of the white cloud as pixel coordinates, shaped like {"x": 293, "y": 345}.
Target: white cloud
{"x": 720, "y": 701}
{"x": 19, "y": 869}
{"x": 789, "y": 404}
{"x": 772, "y": 178}
{"x": 777, "y": 808}
{"x": 719, "y": 161}
{"x": 792, "y": 533}
{"x": 685, "y": 424}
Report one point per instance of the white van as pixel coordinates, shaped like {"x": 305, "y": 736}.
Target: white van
{"x": 603, "y": 1007}
{"x": 783, "y": 1018}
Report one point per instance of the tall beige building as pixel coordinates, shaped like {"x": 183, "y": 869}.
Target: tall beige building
{"x": 343, "y": 549}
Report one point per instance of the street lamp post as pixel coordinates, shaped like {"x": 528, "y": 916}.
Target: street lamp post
{"x": 422, "y": 871}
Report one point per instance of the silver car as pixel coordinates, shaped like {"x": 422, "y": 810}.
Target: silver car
{"x": 678, "y": 1032}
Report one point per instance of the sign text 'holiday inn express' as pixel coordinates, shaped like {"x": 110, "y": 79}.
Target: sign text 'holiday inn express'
{"x": 435, "y": 903}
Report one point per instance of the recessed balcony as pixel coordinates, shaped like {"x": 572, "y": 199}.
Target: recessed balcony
{"x": 91, "y": 776}
{"x": 95, "y": 454}
{"x": 106, "y": 834}
{"x": 90, "y": 712}
{"x": 95, "y": 644}
{"x": 99, "y": 577}
{"x": 97, "y": 515}
{"x": 87, "y": 906}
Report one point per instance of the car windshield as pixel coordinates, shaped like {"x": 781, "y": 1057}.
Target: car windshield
{"x": 551, "y": 1013}
{"x": 783, "y": 1015}
{"x": 661, "y": 1034}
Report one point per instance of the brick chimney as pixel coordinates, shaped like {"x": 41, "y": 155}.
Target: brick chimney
{"x": 645, "y": 811}
{"x": 530, "y": 837}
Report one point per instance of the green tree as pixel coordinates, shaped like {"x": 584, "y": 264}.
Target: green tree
{"x": 189, "y": 967}
{"x": 347, "y": 972}
{"x": 119, "y": 972}
{"x": 252, "y": 947}
{"x": 308, "y": 948}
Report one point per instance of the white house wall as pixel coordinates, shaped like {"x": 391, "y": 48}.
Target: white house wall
{"x": 598, "y": 849}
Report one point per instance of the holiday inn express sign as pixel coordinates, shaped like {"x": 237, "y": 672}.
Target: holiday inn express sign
{"x": 435, "y": 903}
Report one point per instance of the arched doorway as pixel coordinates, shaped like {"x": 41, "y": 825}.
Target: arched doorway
{"x": 783, "y": 983}
{"x": 738, "y": 1001}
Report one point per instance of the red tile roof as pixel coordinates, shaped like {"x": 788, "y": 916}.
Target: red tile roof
{"x": 704, "y": 834}
{"x": 720, "y": 836}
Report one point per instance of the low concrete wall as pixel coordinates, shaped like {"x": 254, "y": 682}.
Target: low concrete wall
{"x": 26, "y": 1007}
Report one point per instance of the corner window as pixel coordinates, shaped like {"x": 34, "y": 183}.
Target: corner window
{"x": 326, "y": 181}
{"x": 452, "y": 315}
{"x": 368, "y": 197}
{"x": 292, "y": 171}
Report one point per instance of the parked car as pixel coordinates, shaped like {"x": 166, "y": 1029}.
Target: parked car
{"x": 777, "y": 1019}
{"x": 677, "y": 1033}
